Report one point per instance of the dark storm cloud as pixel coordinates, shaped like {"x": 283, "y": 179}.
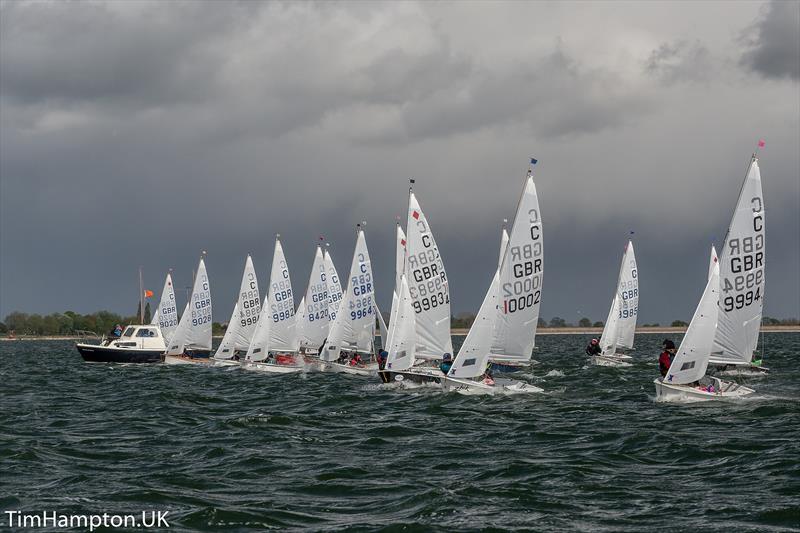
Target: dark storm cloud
{"x": 137, "y": 133}
{"x": 775, "y": 44}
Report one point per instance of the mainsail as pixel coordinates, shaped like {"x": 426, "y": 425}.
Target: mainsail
{"x": 691, "y": 361}
{"x": 428, "y": 286}
{"x": 520, "y": 282}
{"x": 334, "y": 289}
{"x": 312, "y": 317}
{"x": 621, "y": 323}
{"x": 166, "y": 315}
{"x": 194, "y": 328}
{"x": 245, "y": 315}
{"x": 742, "y": 276}
{"x": 354, "y": 326}
{"x": 283, "y": 332}
{"x": 473, "y": 356}
{"x": 403, "y": 336}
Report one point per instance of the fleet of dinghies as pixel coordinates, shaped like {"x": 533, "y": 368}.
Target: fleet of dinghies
{"x": 333, "y": 329}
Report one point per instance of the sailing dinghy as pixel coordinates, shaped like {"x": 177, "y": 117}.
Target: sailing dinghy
{"x": 191, "y": 342}
{"x": 350, "y": 344}
{"x": 686, "y": 379}
{"x": 274, "y": 347}
{"x": 313, "y": 320}
{"x": 242, "y": 323}
{"x": 621, "y": 322}
{"x": 429, "y": 291}
{"x": 166, "y": 315}
{"x": 742, "y": 268}
{"x": 505, "y": 328}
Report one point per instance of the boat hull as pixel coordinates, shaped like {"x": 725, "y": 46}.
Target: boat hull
{"x": 668, "y": 392}
{"x": 225, "y": 362}
{"x": 469, "y": 387}
{"x": 367, "y": 370}
{"x": 434, "y": 376}
{"x": 271, "y": 368}
{"x": 187, "y": 360}
{"x": 611, "y": 360}
{"x": 94, "y": 353}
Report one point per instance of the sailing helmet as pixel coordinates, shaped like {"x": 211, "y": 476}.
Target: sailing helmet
{"x": 447, "y": 357}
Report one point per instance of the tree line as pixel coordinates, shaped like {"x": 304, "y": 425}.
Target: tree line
{"x": 100, "y": 322}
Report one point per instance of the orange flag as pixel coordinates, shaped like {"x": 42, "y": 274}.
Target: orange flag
{"x": 148, "y": 294}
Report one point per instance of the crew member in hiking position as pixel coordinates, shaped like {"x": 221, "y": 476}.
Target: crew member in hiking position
{"x": 594, "y": 348}
{"x": 665, "y": 359}
{"x": 447, "y": 362}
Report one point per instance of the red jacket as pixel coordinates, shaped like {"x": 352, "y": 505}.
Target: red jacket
{"x": 664, "y": 360}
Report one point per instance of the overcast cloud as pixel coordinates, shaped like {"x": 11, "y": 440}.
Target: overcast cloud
{"x": 138, "y": 133}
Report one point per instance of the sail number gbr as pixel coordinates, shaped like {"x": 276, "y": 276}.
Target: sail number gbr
{"x": 429, "y": 287}
{"x": 525, "y": 264}
{"x": 743, "y": 280}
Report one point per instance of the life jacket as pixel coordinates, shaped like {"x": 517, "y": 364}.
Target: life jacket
{"x": 664, "y": 361}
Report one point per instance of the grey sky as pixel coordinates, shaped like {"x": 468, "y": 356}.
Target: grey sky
{"x": 137, "y": 133}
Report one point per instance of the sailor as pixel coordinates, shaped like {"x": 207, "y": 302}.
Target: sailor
{"x": 117, "y": 331}
{"x": 594, "y": 348}
{"x": 382, "y": 356}
{"x": 355, "y": 360}
{"x": 487, "y": 377}
{"x": 447, "y": 362}
{"x": 665, "y": 359}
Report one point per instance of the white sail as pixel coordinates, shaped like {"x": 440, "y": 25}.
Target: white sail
{"x": 503, "y": 245}
{"x": 428, "y": 286}
{"x": 249, "y": 306}
{"x": 473, "y": 356}
{"x": 194, "y": 328}
{"x": 334, "y": 289}
{"x": 404, "y": 337}
{"x": 713, "y": 260}
{"x": 259, "y": 344}
{"x": 227, "y": 347}
{"x": 742, "y": 275}
{"x": 608, "y": 340}
{"x": 628, "y": 297}
{"x": 382, "y": 327}
{"x": 166, "y": 315}
{"x": 312, "y": 314}
{"x": 283, "y": 332}
{"x": 520, "y": 282}
{"x": 354, "y": 326}
{"x": 691, "y": 361}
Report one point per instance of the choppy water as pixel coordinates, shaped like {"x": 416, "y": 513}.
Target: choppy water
{"x": 226, "y": 450}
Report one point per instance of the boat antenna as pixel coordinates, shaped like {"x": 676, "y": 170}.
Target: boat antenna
{"x": 141, "y": 298}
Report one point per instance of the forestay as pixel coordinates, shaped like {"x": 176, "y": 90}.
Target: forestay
{"x": 354, "y": 326}
{"x": 742, "y": 275}
{"x": 428, "y": 286}
{"x": 194, "y": 328}
{"x": 313, "y": 319}
{"x": 691, "y": 361}
{"x": 166, "y": 315}
{"x": 403, "y": 331}
{"x": 520, "y": 282}
{"x": 283, "y": 332}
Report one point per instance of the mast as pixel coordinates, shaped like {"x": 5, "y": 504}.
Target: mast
{"x": 141, "y": 298}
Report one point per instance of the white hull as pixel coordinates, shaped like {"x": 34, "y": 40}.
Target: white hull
{"x": 271, "y": 367}
{"x": 668, "y": 392}
{"x": 183, "y": 360}
{"x": 469, "y": 387}
{"x": 611, "y": 360}
{"x": 225, "y": 362}
{"x": 367, "y": 370}
{"x": 736, "y": 369}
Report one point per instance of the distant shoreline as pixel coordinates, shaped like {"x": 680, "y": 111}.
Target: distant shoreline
{"x": 463, "y": 331}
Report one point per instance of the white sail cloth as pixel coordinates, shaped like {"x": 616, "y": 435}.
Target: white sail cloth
{"x": 166, "y": 315}
{"x": 244, "y": 318}
{"x": 403, "y": 334}
{"x": 742, "y": 275}
{"x": 621, "y": 323}
{"x": 354, "y": 326}
{"x": 312, "y": 315}
{"x": 428, "y": 285}
{"x": 691, "y": 361}
{"x": 194, "y": 329}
